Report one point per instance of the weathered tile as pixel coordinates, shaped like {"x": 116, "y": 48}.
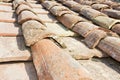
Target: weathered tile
{"x": 36, "y": 6}
{"x": 49, "y": 4}
{"x": 32, "y": 1}
{"x": 16, "y": 3}
{"x": 105, "y": 22}
{"x": 69, "y": 20}
{"x": 10, "y": 29}
{"x": 5, "y": 4}
{"x": 7, "y": 17}
{"x": 13, "y": 49}
{"x": 40, "y": 11}
{"x": 116, "y": 28}
{"x": 18, "y": 71}
{"x": 34, "y": 31}
{"x": 112, "y": 13}
{"x": 111, "y": 3}
{"x": 5, "y": 8}
{"x": 77, "y": 49}
{"x": 27, "y": 15}
{"x": 100, "y": 6}
{"x": 102, "y": 69}
{"x": 59, "y": 30}
{"x": 94, "y": 37}
{"x": 91, "y": 13}
{"x": 84, "y": 28}
{"x": 117, "y": 8}
{"x": 52, "y": 63}
{"x": 87, "y": 2}
{"x": 78, "y": 8}
{"x": 111, "y": 46}
{"x": 6, "y": 0}
{"x": 59, "y": 10}
{"x": 70, "y": 4}
{"x": 23, "y": 7}
{"x": 47, "y": 18}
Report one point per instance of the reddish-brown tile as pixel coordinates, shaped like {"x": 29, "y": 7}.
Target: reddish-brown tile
{"x": 116, "y": 28}
{"x": 112, "y": 13}
{"x": 69, "y": 20}
{"x": 84, "y": 28}
{"x": 94, "y": 37}
{"x": 52, "y": 63}
{"x": 111, "y": 45}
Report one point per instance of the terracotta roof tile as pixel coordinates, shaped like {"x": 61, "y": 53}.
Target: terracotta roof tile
{"x": 40, "y": 11}
{"x": 7, "y": 17}
{"x": 49, "y": 34}
{"x": 5, "y": 4}
{"x": 26, "y": 16}
{"x": 54, "y": 62}
{"x": 104, "y": 66}
{"x": 84, "y": 28}
{"x": 18, "y": 71}
{"x": 112, "y": 13}
{"x": 23, "y": 7}
{"x": 5, "y": 8}
{"x": 111, "y": 43}
{"x": 10, "y": 29}
{"x": 47, "y": 18}
{"x": 36, "y": 6}
{"x": 77, "y": 49}
{"x": 69, "y": 20}
{"x": 13, "y": 49}
{"x": 98, "y": 17}
{"x": 59, "y": 30}
{"x": 100, "y": 22}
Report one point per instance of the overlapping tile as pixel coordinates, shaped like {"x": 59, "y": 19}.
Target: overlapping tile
{"x": 40, "y": 11}
{"x": 55, "y": 63}
{"x": 47, "y": 18}
{"x": 98, "y": 39}
{"x": 77, "y": 49}
{"x": 43, "y": 64}
{"x": 96, "y": 16}
{"x": 102, "y": 69}
{"x": 54, "y": 53}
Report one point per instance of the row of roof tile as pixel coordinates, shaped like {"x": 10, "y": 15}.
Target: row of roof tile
{"x": 67, "y": 40}
{"x": 34, "y": 31}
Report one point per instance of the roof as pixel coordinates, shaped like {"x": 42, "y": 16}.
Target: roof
{"x": 66, "y": 40}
